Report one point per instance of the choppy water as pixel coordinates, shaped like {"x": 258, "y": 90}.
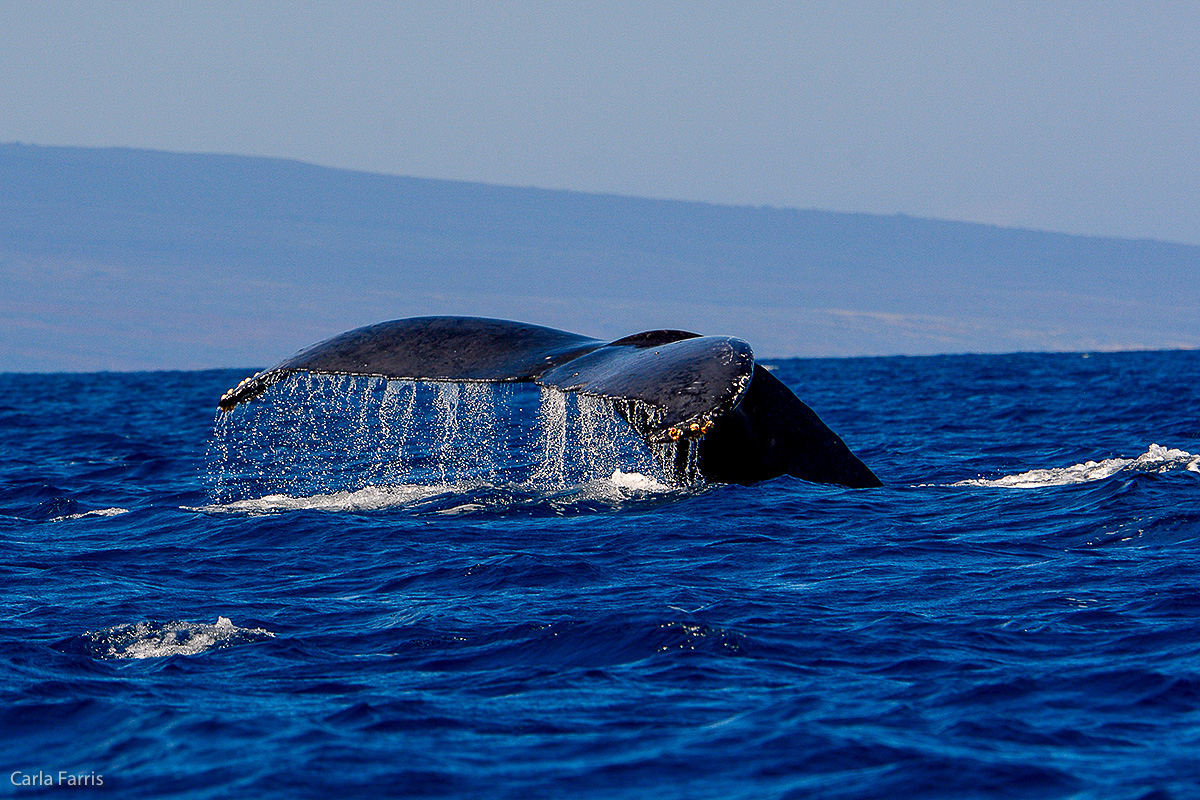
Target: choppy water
{"x": 362, "y": 589}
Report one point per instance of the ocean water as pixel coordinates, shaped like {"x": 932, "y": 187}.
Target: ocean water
{"x": 361, "y": 589}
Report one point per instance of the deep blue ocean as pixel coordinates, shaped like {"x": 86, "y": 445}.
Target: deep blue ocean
{"x": 358, "y": 589}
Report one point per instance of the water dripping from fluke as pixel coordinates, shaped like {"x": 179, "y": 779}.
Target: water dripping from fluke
{"x": 365, "y": 443}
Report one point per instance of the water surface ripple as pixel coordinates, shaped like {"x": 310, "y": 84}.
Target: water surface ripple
{"x": 389, "y": 597}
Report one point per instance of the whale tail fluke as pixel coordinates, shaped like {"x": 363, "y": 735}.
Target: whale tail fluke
{"x": 671, "y": 386}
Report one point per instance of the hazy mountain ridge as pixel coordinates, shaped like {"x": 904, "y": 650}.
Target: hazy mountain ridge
{"x": 115, "y": 258}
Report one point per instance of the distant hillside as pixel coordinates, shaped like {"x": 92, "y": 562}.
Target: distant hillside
{"x": 131, "y": 259}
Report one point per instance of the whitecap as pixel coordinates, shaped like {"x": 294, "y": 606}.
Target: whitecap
{"x": 476, "y": 496}
{"x": 636, "y": 481}
{"x": 1156, "y": 459}
{"x": 160, "y": 639}
{"x": 465, "y": 508}
{"x": 617, "y": 489}
{"x": 99, "y": 512}
{"x": 369, "y": 498}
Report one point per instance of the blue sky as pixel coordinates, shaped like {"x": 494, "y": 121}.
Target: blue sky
{"x": 1081, "y": 117}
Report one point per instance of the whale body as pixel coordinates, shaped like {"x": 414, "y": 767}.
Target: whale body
{"x": 704, "y": 392}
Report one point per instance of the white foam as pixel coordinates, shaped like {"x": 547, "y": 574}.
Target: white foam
{"x": 158, "y": 640}
{"x": 636, "y": 481}
{"x": 99, "y": 512}
{"x": 620, "y": 486}
{"x": 465, "y": 508}
{"x": 1156, "y": 459}
{"x": 369, "y": 498}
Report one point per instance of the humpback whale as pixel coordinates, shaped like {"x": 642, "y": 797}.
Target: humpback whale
{"x": 705, "y": 392}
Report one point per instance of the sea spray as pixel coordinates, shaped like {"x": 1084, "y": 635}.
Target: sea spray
{"x": 599, "y": 433}
{"x": 447, "y": 420}
{"x": 552, "y": 429}
{"x": 316, "y": 434}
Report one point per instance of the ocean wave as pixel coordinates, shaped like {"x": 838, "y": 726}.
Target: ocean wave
{"x": 1156, "y": 459}
{"x": 151, "y": 639}
{"x": 1049, "y": 633}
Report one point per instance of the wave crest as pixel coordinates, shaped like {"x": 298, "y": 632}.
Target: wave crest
{"x": 1156, "y": 459}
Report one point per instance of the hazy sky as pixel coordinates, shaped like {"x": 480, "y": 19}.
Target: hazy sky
{"x": 1073, "y": 116}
